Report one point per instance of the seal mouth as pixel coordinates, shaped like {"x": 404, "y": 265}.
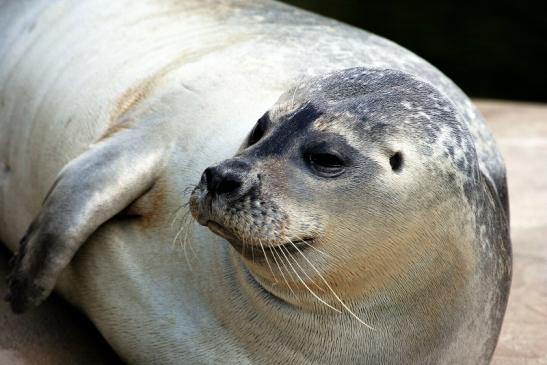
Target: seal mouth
{"x": 220, "y": 230}
{"x": 255, "y": 251}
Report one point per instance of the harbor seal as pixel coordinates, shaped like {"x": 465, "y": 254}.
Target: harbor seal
{"x": 367, "y": 207}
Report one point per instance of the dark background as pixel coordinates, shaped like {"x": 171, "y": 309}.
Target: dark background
{"x": 495, "y": 49}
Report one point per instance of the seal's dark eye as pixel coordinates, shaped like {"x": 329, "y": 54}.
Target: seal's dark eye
{"x": 326, "y": 160}
{"x": 258, "y": 131}
{"x": 326, "y": 164}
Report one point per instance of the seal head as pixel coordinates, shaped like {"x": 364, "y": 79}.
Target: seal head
{"x": 334, "y": 183}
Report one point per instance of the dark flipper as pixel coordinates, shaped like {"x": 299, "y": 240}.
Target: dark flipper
{"x": 90, "y": 190}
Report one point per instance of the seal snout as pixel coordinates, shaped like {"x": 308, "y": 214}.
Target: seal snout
{"x": 230, "y": 179}
{"x": 223, "y": 187}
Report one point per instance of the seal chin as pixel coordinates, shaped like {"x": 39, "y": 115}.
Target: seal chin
{"x": 220, "y": 230}
{"x": 256, "y": 252}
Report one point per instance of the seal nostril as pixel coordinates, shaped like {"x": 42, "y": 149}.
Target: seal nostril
{"x": 226, "y": 177}
{"x": 229, "y": 184}
{"x": 221, "y": 181}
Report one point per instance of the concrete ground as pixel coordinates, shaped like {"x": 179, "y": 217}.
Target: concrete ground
{"x": 57, "y": 334}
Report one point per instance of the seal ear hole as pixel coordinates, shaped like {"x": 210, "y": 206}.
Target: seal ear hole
{"x": 396, "y": 161}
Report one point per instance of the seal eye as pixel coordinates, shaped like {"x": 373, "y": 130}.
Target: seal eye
{"x": 258, "y": 131}
{"x": 326, "y": 164}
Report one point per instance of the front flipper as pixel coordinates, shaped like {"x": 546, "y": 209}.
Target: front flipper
{"x": 90, "y": 190}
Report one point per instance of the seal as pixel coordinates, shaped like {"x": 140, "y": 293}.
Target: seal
{"x": 366, "y": 210}
{"x": 365, "y": 185}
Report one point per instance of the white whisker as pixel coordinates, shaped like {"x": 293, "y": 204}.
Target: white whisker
{"x": 333, "y": 292}
{"x": 304, "y": 271}
{"x": 188, "y": 237}
{"x": 303, "y": 283}
{"x": 176, "y": 213}
{"x": 313, "y": 247}
{"x": 176, "y": 237}
{"x": 281, "y": 271}
{"x": 267, "y": 261}
{"x": 185, "y": 226}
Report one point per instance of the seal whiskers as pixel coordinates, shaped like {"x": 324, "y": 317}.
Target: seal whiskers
{"x": 330, "y": 288}
{"x": 187, "y": 239}
{"x": 267, "y": 261}
{"x": 303, "y": 271}
{"x": 176, "y": 237}
{"x": 184, "y": 219}
{"x": 281, "y": 272}
{"x": 303, "y": 283}
{"x": 175, "y": 215}
{"x": 312, "y": 246}
{"x": 185, "y": 226}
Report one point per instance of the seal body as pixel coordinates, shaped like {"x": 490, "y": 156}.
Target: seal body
{"x": 141, "y": 98}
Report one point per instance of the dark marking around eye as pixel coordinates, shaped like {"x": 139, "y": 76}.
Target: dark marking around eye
{"x": 396, "y": 161}
{"x": 287, "y": 128}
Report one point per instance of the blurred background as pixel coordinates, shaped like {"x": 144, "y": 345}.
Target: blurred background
{"x": 495, "y": 49}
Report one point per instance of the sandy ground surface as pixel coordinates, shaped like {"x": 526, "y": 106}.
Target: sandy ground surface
{"x": 57, "y": 334}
